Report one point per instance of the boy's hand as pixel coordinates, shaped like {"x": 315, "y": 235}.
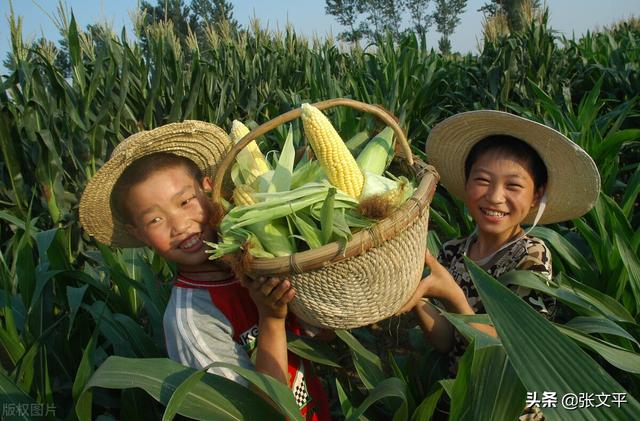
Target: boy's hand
{"x": 439, "y": 284}
{"x": 271, "y": 296}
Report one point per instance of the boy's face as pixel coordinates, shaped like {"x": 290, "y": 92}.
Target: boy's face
{"x": 499, "y": 193}
{"x": 170, "y": 213}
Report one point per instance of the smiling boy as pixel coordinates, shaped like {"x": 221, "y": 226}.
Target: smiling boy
{"x": 153, "y": 192}
{"x": 509, "y": 171}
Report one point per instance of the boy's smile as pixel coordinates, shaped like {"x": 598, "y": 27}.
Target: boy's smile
{"x": 170, "y": 213}
{"x": 500, "y": 193}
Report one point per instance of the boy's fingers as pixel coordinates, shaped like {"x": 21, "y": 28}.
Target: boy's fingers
{"x": 280, "y": 290}
{"x": 287, "y": 297}
{"x": 268, "y": 286}
{"x": 429, "y": 260}
{"x": 271, "y": 285}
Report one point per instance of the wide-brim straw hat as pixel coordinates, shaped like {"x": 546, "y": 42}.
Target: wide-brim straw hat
{"x": 203, "y": 143}
{"x": 573, "y": 182}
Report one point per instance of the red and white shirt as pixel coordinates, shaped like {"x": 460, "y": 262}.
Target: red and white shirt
{"x": 217, "y": 321}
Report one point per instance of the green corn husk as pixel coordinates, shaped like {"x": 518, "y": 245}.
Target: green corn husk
{"x": 304, "y": 208}
{"x": 234, "y": 242}
{"x": 378, "y": 152}
{"x": 271, "y": 236}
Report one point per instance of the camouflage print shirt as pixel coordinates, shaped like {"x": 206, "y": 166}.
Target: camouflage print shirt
{"x": 527, "y": 253}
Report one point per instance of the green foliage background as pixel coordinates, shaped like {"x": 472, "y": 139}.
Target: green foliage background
{"x": 67, "y": 303}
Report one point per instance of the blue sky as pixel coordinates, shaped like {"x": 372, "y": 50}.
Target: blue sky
{"x": 308, "y": 17}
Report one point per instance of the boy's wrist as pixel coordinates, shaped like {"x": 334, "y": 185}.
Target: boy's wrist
{"x": 271, "y": 320}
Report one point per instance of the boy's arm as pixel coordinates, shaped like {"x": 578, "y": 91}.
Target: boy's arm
{"x": 272, "y": 295}
{"x": 441, "y": 285}
{"x": 436, "y": 328}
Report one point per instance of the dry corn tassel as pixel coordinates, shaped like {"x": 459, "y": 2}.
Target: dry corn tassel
{"x": 334, "y": 156}
{"x": 381, "y": 196}
{"x": 250, "y": 159}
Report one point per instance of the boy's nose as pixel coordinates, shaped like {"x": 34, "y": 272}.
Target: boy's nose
{"x": 179, "y": 224}
{"x": 495, "y": 194}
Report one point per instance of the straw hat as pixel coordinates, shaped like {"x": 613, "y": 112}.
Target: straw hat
{"x": 203, "y": 143}
{"x": 573, "y": 180}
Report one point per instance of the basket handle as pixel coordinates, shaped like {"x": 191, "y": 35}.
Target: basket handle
{"x": 382, "y": 114}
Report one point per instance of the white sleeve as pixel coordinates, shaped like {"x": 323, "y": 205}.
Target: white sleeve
{"x": 197, "y": 334}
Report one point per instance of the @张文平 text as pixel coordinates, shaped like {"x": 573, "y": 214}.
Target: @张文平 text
{"x": 579, "y": 400}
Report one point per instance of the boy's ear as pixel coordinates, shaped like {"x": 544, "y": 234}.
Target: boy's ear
{"x": 537, "y": 195}
{"x": 207, "y": 184}
{"x": 131, "y": 229}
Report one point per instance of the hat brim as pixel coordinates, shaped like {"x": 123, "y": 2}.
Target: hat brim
{"x": 203, "y": 143}
{"x": 573, "y": 182}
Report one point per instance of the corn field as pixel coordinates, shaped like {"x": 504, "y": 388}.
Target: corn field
{"x": 81, "y": 324}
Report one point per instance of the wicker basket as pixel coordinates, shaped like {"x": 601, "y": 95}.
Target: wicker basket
{"x": 371, "y": 277}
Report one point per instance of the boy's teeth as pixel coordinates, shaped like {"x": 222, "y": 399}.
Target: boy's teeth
{"x": 493, "y": 213}
{"x": 191, "y": 242}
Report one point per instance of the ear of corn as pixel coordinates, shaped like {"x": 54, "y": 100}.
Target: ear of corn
{"x": 357, "y": 142}
{"x": 334, "y": 156}
{"x": 241, "y": 195}
{"x": 250, "y": 159}
{"x": 266, "y": 219}
{"x": 377, "y": 153}
{"x": 272, "y": 235}
{"x": 317, "y": 202}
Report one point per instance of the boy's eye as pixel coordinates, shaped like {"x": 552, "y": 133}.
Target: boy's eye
{"x": 187, "y": 201}
{"x": 154, "y": 221}
{"x": 481, "y": 180}
{"x": 514, "y": 186}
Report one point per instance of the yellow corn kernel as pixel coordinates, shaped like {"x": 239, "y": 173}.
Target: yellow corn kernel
{"x": 334, "y": 156}
{"x": 241, "y": 195}
{"x": 250, "y": 158}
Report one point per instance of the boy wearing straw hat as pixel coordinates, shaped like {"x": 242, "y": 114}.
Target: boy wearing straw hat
{"x": 509, "y": 171}
{"x": 153, "y": 192}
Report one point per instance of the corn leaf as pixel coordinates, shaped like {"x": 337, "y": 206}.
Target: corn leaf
{"x": 568, "y": 251}
{"x": 572, "y": 293}
{"x": 425, "y": 410}
{"x": 617, "y": 356}
{"x": 326, "y": 216}
{"x": 388, "y": 388}
{"x": 309, "y": 231}
{"x": 486, "y": 387}
{"x": 215, "y": 397}
{"x": 11, "y": 394}
{"x": 74, "y": 299}
{"x": 599, "y": 325}
{"x": 569, "y": 370}
{"x": 283, "y": 172}
{"x": 631, "y": 264}
{"x": 367, "y": 364}
{"x": 312, "y": 350}
{"x": 469, "y": 332}
{"x": 345, "y": 404}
